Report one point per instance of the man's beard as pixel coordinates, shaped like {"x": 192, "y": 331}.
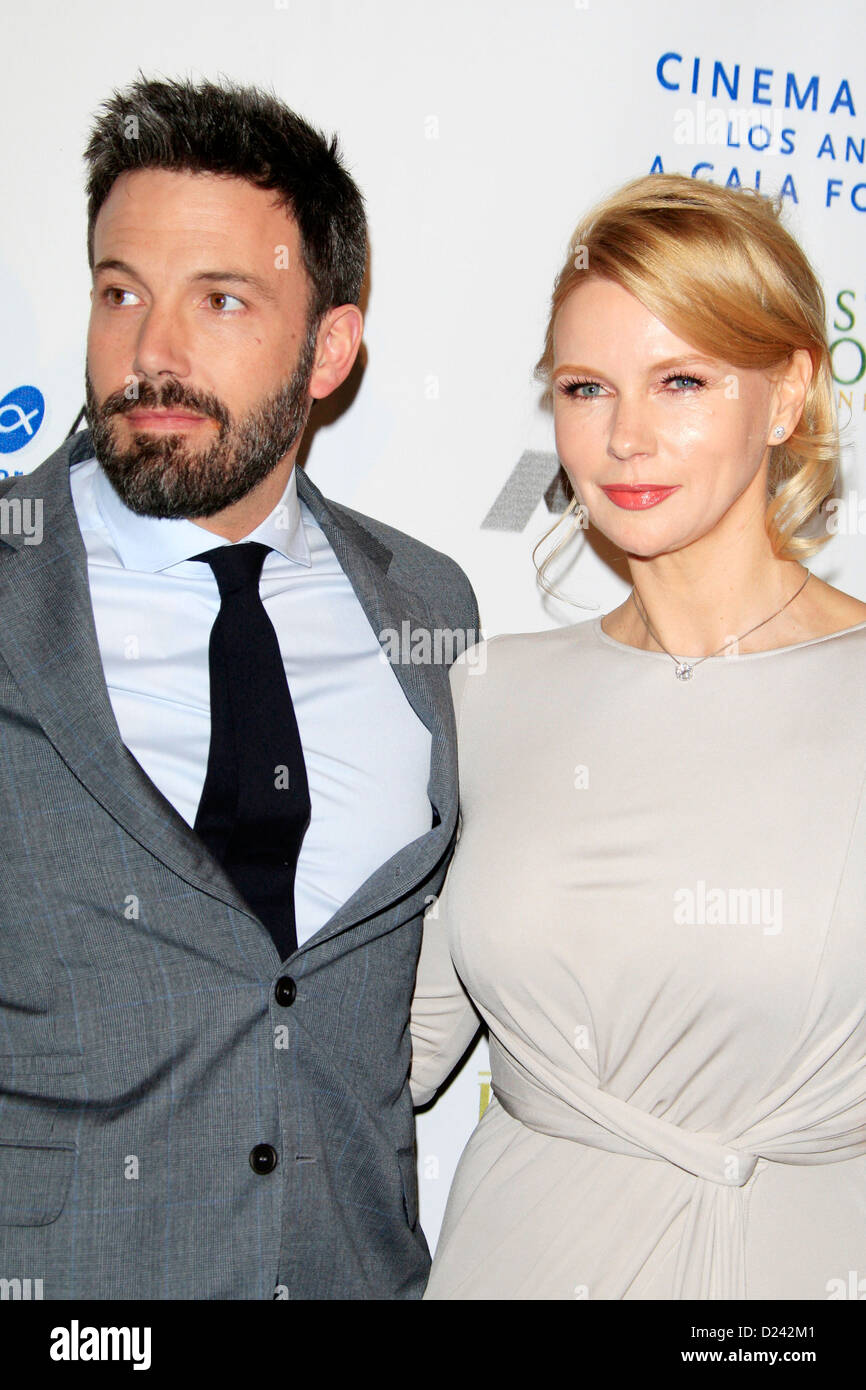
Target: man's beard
{"x": 161, "y": 475}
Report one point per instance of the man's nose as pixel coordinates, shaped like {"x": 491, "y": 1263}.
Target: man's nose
{"x": 161, "y": 346}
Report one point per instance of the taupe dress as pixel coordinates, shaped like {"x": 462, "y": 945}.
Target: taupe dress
{"x": 658, "y": 906}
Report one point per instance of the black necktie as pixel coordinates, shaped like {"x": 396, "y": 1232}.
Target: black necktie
{"x": 255, "y": 804}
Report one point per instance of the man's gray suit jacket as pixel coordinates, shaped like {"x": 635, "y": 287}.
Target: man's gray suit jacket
{"x": 146, "y": 1047}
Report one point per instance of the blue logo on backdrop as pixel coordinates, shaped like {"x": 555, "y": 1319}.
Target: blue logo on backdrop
{"x": 769, "y": 113}
{"x": 21, "y": 413}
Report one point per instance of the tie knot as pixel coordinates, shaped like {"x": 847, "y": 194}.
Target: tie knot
{"x": 235, "y": 566}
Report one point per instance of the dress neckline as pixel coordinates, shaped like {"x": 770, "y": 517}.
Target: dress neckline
{"x": 746, "y": 656}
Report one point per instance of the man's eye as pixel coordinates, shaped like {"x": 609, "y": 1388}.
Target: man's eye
{"x": 112, "y": 290}
{"x": 221, "y": 295}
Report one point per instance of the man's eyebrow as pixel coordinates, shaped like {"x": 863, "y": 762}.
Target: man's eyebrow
{"x": 237, "y": 277}
{"x": 233, "y": 277}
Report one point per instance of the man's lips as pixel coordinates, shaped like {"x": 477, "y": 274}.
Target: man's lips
{"x": 165, "y": 419}
{"x": 634, "y": 497}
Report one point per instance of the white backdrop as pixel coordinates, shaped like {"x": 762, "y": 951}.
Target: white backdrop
{"x": 479, "y": 131}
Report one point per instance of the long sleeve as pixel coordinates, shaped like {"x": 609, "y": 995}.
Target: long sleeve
{"x": 443, "y": 1020}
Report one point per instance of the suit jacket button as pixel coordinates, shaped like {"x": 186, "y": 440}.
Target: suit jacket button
{"x": 263, "y": 1159}
{"x": 285, "y": 991}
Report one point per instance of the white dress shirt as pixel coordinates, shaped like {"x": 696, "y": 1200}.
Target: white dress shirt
{"x": 366, "y": 751}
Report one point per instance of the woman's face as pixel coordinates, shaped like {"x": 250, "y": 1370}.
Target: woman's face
{"x": 638, "y": 411}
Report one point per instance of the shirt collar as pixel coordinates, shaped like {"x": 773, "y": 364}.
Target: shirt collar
{"x": 151, "y": 543}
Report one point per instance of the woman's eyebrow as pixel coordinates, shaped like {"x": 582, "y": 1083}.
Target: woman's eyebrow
{"x": 655, "y": 367}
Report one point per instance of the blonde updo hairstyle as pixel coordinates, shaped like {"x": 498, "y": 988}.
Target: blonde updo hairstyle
{"x": 716, "y": 266}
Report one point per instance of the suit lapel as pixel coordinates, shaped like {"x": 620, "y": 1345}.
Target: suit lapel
{"x": 48, "y": 640}
{"x": 393, "y": 608}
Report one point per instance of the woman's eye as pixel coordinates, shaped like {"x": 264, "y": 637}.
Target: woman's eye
{"x": 679, "y": 376}
{"x": 221, "y": 295}
{"x": 584, "y": 390}
{"x": 576, "y": 389}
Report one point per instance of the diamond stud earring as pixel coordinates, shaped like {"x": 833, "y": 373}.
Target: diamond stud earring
{"x": 779, "y": 431}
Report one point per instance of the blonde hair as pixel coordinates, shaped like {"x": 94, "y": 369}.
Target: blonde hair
{"x": 716, "y": 266}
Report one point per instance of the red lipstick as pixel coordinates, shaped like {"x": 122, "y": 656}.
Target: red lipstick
{"x": 637, "y": 497}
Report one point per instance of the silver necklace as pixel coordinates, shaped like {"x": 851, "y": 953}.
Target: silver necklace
{"x": 686, "y": 669}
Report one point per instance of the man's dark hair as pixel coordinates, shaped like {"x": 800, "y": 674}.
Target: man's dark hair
{"x": 252, "y": 135}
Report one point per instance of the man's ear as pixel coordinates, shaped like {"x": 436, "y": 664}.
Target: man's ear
{"x": 337, "y": 344}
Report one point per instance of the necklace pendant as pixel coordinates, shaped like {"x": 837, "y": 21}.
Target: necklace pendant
{"x": 684, "y": 671}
